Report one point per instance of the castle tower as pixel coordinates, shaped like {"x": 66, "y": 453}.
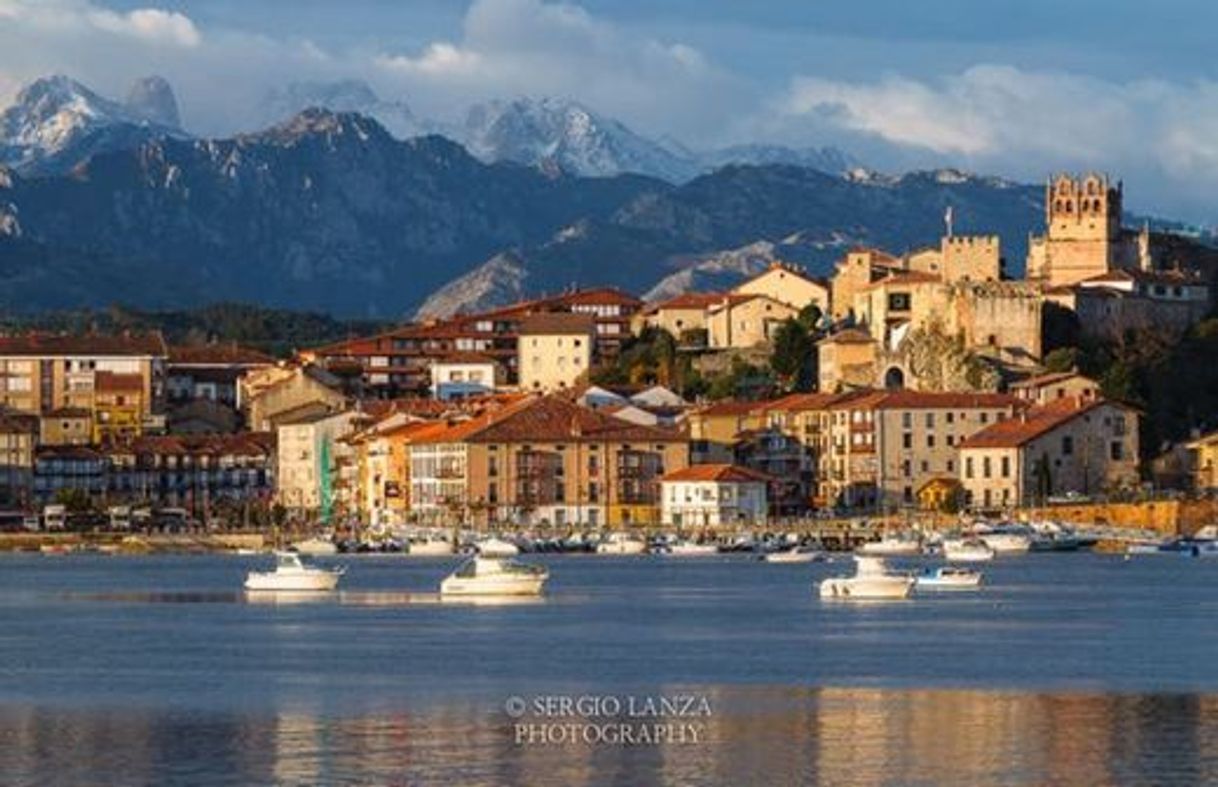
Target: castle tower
{"x": 1083, "y": 230}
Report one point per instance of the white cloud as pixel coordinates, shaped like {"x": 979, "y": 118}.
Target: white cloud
{"x": 149, "y": 24}
{"x": 531, "y": 47}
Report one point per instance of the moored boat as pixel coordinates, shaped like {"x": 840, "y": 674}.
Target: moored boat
{"x": 482, "y": 576}
{"x": 621, "y": 544}
{"x": 871, "y": 581}
{"x": 496, "y": 547}
{"x": 316, "y": 546}
{"x": 891, "y": 546}
{"x": 293, "y": 574}
{"x": 967, "y": 550}
{"x": 796, "y": 555}
{"x": 684, "y": 548}
{"x": 949, "y": 578}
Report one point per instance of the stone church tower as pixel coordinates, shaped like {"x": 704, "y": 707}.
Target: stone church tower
{"x": 1083, "y": 231}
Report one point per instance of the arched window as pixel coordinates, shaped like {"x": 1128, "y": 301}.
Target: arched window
{"x": 894, "y": 378}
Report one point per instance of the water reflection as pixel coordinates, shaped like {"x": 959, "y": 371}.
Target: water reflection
{"x": 779, "y": 735}
{"x": 371, "y": 598}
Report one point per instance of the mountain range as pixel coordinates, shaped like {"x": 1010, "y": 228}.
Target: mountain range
{"x": 329, "y": 211}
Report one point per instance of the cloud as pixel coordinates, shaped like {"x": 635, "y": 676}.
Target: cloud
{"x": 530, "y": 47}
{"x": 1027, "y": 122}
{"x": 149, "y": 24}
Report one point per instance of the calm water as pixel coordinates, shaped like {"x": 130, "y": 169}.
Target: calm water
{"x": 1064, "y": 669}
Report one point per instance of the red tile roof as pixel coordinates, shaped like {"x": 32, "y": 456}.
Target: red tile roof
{"x": 689, "y": 300}
{"x": 554, "y": 419}
{"x": 35, "y": 344}
{"x": 925, "y": 400}
{"x": 217, "y": 354}
{"x": 117, "y": 381}
{"x": 905, "y": 277}
{"x": 1050, "y": 378}
{"x": 733, "y": 474}
{"x": 557, "y": 323}
{"x": 1034, "y": 422}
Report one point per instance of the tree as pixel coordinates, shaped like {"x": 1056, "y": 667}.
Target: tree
{"x": 1063, "y": 359}
{"x": 810, "y": 317}
{"x": 792, "y": 359}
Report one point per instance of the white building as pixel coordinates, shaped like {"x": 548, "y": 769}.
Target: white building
{"x": 310, "y": 451}
{"x": 554, "y": 350}
{"x": 464, "y": 375}
{"x": 713, "y": 495}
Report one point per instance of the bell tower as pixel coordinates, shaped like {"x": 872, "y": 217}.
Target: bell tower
{"x": 1083, "y": 223}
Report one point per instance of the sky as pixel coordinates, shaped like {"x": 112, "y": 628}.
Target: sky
{"x": 1017, "y": 88}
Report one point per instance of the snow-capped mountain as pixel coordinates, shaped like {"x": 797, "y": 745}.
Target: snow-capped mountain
{"x": 825, "y": 159}
{"x": 56, "y": 123}
{"x": 566, "y": 133}
{"x": 347, "y": 95}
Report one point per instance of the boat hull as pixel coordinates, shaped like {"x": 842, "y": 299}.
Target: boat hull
{"x": 431, "y": 548}
{"x": 311, "y": 582}
{"x": 493, "y": 586}
{"x": 793, "y": 557}
{"x": 866, "y": 588}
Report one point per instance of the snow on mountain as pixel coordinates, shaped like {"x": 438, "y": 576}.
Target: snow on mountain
{"x": 496, "y": 282}
{"x": 56, "y": 122}
{"x": 825, "y": 159}
{"x": 347, "y": 95}
{"x": 580, "y": 141}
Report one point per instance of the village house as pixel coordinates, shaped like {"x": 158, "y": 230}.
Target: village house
{"x": 741, "y": 321}
{"x": 1204, "y": 462}
{"x": 310, "y": 452}
{"x": 555, "y": 350}
{"x": 707, "y": 496}
{"x": 18, "y": 441}
{"x": 787, "y": 284}
{"x": 1073, "y": 445}
{"x": 1046, "y": 388}
{"x": 278, "y": 394}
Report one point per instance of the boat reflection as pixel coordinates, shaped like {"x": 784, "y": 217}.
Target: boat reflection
{"x": 761, "y": 735}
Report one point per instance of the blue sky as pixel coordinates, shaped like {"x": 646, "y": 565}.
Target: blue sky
{"x": 1011, "y": 88}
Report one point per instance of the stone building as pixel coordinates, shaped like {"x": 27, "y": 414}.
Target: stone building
{"x": 1070, "y": 445}
{"x": 743, "y": 321}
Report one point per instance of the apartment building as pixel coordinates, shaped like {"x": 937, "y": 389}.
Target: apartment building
{"x": 41, "y": 373}
{"x": 544, "y": 460}
{"x": 554, "y": 351}
{"x": 311, "y": 452}
{"x": 701, "y": 496}
{"x": 884, "y": 446}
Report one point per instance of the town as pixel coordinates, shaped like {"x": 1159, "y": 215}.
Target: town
{"x": 926, "y": 381}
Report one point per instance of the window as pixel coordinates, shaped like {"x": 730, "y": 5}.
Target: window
{"x": 907, "y": 420}
{"x": 930, "y": 420}
{"x": 985, "y": 418}
{"x": 1006, "y": 467}
{"x": 1117, "y": 451}
{"x": 985, "y": 467}
{"x": 907, "y": 440}
{"x": 1067, "y": 445}
{"x": 930, "y": 441}
{"x": 492, "y": 466}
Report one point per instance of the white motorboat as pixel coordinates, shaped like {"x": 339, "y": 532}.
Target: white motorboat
{"x": 891, "y": 546}
{"x": 871, "y": 580}
{"x": 429, "y": 547}
{"x": 482, "y": 576}
{"x": 796, "y": 555}
{"x": 690, "y": 549}
{"x": 621, "y": 544}
{"x": 1007, "y": 540}
{"x": 967, "y": 550}
{"x": 315, "y": 546}
{"x": 949, "y": 578}
{"x": 293, "y": 574}
{"x": 496, "y": 547}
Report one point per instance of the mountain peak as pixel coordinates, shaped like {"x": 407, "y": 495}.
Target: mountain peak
{"x": 152, "y": 99}
{"x": 344, "y": 95}
{"x": 319, "y": 121}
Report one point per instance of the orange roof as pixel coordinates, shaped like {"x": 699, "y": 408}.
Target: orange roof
{"x": 1034, "y": 422}
{"x": 1041, "y": 380}
{"x": 554, "y": 419}
{"x": 690, "y": 300}
{"x": 218, "y": 353}
{"x": 733, "y": 474}
{"x": 802, "y": 402}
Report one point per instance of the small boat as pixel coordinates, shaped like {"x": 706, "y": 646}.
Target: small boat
{"x": 891, "y": 546}
{"x": 496, "y": 547}
{"x": 429, "y": 547}
{"x": 482, "y": 576}
{"x": 293, "y": 574}
{"x": 967, "y": 550}
{"x": 621, "y": 544}
{"x": 1007, "y": 542}
{"x": 871, "y": 580}
{"x": 689, "y": 549}
{"x": 949, "y": 578}
{"x": 796, "y": 555}
{"x": 316, "y": 546}
{"x": 1205, "y": 548}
